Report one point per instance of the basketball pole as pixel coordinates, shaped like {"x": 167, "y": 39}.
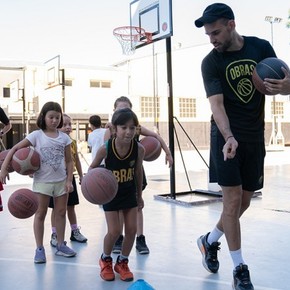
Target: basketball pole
{"x": 170, "y": 116}
{"x": 62, "y": 89}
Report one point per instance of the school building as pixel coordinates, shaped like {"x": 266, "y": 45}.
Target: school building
{"x": 86, "y": 90}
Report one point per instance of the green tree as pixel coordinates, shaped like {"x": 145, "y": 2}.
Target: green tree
{"x": 288, "y": 22}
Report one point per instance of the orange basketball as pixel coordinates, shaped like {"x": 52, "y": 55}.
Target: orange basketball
{"x": 152, "y": 148}
{"x": 99, "y": 185}
{"x": 3, "y": 155}
{"x": 23, "y": 203}
{"x": 26, "y": 161}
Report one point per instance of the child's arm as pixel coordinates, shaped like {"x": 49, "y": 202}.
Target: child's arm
{"x": 101, "y": 154}
{"x": 107, "y": 135}
{"x": 108, "y": 125}
{"x": 139, "y": 175}
{"x": 168, "y": 157}
{"x": 69, "y": 168}
{"x": 78, "y": 165}
{"x": 4, "y": 172}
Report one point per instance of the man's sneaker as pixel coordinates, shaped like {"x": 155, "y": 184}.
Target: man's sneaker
{"x": 65, "y": 251}
{"x": 53, "y": 240}
{"x": 39, "y": 257}
{"x": 242, "y": 279}
{"x": 122, "y": 268}
{"x": 141, "y": 245}
{"x": 106, "y": 266}
{"x": 118, "y": 245}
{"x": 76, "y": 236}
{"x": 209, "y": 253}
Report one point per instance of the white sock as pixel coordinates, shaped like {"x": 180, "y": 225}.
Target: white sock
{"x": 237, "y": 257}
{"x": 122, "y": 257}
{"x": 104, "y": 256}
{"x": 214, "y": 235}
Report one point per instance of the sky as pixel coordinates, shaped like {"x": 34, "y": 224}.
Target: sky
{"x": 80, "y": 31}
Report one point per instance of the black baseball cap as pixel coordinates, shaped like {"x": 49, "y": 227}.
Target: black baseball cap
{"x": 214, "y": 12}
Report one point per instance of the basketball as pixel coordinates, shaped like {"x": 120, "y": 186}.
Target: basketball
{"x": 23, "y": 203}
{"x": 152, "y": 148}
{"x": 268, "y": 68}
{"x": 3, "y": 155}
{"x": 99, "y": 185}
{"x": 26, "y": 161}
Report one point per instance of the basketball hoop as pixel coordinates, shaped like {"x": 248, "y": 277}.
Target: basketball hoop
{"x": 130, "y": 36}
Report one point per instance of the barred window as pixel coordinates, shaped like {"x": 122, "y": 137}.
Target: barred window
{"x": 277, "y": 108}
{"x": 150, "y": 107}
{"x": 187, "y": 108}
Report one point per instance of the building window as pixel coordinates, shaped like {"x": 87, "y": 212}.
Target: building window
{"x": 6, "y": 92}
{"x": 95, "y": 84}
{"x": 187, "y": 108}
{"x": 105, "y": 84}
{"x": 150, "y": 107}
{"x": 100, "y": 84}
{"x": 68, "y": 83}
{"x": 277, "y": 109}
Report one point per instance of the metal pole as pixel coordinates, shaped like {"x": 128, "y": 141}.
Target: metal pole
{"x": 154, "y": 86}
{"x": 23, "y": 106}
{"x": 63, "y": 89}
{"x": 129, "y": 77}
{"x": 170, "y": 115}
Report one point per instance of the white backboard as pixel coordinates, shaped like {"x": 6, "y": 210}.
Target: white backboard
{"x": 155, "y": 16}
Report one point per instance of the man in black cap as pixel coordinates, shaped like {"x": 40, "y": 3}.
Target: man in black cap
{"x": 237, "y": 131}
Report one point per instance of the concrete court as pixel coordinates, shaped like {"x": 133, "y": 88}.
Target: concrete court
{"x": 171, "y": 231}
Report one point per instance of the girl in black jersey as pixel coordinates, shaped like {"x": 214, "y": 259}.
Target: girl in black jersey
{"x": 141, "y": 245}
{"x": 124, "y": 156}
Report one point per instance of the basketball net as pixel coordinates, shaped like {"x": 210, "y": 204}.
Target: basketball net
{"x": 130, "y": 36}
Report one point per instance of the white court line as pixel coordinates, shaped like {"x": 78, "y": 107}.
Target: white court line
{"x": 166, "y": 275}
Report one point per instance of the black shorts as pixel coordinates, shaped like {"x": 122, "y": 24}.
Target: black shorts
{"x": 246, "y": 168}
{"x": 73, "y": 197}
{"x": 123, "y": 200}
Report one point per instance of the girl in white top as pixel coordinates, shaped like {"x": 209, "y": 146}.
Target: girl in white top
{"x": 54, "y": 177}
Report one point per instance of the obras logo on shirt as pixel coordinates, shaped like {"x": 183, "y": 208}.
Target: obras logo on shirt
{"x": 239, "y": 78}
{"x": 124, "y": 175}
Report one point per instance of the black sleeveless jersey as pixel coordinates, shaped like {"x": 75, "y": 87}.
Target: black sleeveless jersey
{"x": 124, "y": 170}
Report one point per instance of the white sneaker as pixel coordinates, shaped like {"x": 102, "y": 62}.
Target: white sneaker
{"x": 65, "y": 251}
{"x": 76, "y": 236}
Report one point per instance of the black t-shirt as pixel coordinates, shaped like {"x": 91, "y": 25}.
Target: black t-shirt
{"x": 230, "y": 73}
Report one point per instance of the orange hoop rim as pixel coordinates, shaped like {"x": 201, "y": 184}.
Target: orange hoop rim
{"x": 130, "y": 36}
{"x": 132, "y": 33}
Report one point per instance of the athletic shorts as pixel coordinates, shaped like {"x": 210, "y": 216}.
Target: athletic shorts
{"x": 73, "y": 197}
{"x": 246, "y": 168}
{"x": 123, "y": 200}
{"x": 50, "y": 188}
